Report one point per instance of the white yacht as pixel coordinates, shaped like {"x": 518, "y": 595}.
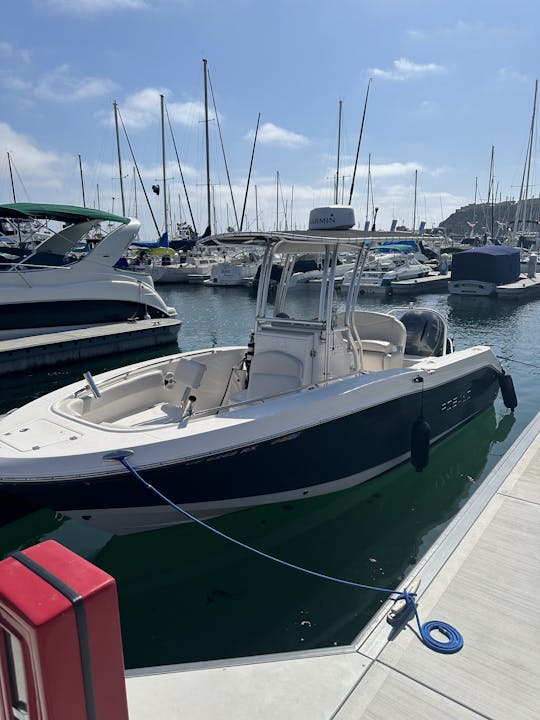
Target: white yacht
{"x": 55, "y": 289}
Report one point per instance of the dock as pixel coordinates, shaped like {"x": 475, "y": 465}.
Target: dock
{"x": 46, "y": 349}
{"x": 482, "y": 576}
{"x": 525, "y": 287}
{"x": 422, "y": 285}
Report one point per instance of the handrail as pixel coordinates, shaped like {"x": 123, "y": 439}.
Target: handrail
{"x": 17, "y": 267}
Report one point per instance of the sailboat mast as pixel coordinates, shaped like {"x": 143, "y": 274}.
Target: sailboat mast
{"x": 277, "y": 199}
{"x": 208, "y": 200}
{"x": 530, "y": 149}
{"x": 414, "y": 212}
{"x": 256, "y": 210}
{"x": 359, "y": 143}
{"x": 336, "y": 190}
{"x": 249, "y": 173}
{"x": 119, "y": 157}
{"x": 135, "y": 192}
{"x": 82, "y": 182}
{"x": 473, "y": 223}
{"x": 366, "y": 224}
{"x": 163, "y": 162}
{"x": 11, "y": 178}
{"x": 490, "y": 189}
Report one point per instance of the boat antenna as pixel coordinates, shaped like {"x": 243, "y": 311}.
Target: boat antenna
{"x": 138, "y": 173}
{"x": 181, "y": 173}
{"x": 249, "y": 174}
{"x": 223, "y": 151}
{"x": 336, "y": 189}
{"x": 115, "y": 106}
{"x": 359, "y": 142}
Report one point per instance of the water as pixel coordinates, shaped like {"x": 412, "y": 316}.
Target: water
{"x": 186, "y": 595}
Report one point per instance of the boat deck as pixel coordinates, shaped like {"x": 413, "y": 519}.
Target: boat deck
{"x": 482, "y": 576}
{"x": 522, "y": 288}
{"x": 423, "y": 285}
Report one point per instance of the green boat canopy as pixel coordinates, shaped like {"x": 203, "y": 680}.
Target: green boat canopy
{"x": 64, "y": 213}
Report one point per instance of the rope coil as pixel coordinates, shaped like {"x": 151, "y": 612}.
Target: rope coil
{"x": 455, "y": 639}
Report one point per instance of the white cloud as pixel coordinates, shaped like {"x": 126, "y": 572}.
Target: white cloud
{"x": 143, "y": 109}
{"x": 35, "y": 168}
{"x": 12, "y": 53}
{"x": 509, "y": 75}
{"x": 384, "y": 170}
{"x": 428, "y": 106}
{"x": 404, "y": 69}
{"x": 94, "y": 7}
{"x": 464, "y": 32}
{"x": 270, "y": 134}
{"x": 14, "y": 83}
{"x": 61, "y": 86}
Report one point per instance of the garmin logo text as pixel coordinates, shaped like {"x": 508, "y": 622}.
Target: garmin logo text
{"x": 322, "y": 220}
{"x": 335, "y": 217}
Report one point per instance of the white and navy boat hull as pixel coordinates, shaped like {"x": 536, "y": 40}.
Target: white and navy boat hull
{"x": 257, "y": 456}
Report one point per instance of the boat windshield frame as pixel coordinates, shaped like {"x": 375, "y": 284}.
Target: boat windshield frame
{"x": 288, "y": 247}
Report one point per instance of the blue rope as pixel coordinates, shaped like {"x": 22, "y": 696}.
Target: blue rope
{"x": 455, "y": 640}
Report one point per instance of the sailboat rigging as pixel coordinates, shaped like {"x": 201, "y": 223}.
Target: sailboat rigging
{"x": 238, "y": 226}
{"x": 249, "y": 173}
{"x": 115, "y": 106}
{"x": 521, "y": 209}
{"x": 359, "y": 142}
{"x": 208, "y": 199}
{"x": 119, "y": 115}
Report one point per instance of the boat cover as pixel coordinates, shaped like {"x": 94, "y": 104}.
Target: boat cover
{"x": 492, "y": 263}
{"x": 63, "y": 213}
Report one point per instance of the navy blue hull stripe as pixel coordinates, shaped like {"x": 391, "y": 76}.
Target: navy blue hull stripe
{"x": 317, "y": 455}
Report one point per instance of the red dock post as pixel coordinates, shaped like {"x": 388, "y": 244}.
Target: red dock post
{"x": 61, "y": 652}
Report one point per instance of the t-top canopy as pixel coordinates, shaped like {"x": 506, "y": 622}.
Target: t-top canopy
{"x": 301, "y": 241}
{"x": 63, "y": 213}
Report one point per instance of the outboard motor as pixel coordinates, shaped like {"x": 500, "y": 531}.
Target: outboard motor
{"x": 425, "y": 333}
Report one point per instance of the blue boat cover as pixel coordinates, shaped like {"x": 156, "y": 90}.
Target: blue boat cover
{"x": 497, "y": 264}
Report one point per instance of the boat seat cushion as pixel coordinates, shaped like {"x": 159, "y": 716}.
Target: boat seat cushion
{"x": 381, "y": 346}
{"x": 268, "y": 384}
{"x": 189, "y": 373}
{"x": 276, "y": 362}
{"x": 273, "y": 372}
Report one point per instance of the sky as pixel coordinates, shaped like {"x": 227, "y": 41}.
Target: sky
{"x": 448, "y": 81}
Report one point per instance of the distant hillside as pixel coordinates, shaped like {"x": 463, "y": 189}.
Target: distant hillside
{"x": 504, "y": 212}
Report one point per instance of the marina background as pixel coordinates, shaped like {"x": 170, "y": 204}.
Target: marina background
{"x": 187, "y": 596}
{"x": 440, "y": 99}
